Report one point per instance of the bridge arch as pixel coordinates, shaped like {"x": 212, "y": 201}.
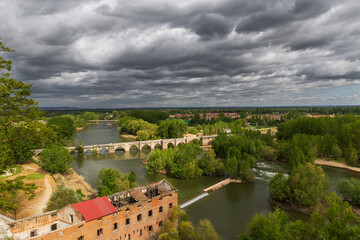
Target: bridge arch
{"x": 157, "y": 146}
{"x": 146, "y": 147}
{"x": 133, "y": 148}
{"x": 170, "y": 145}
{"x": 120, "y": 149}
{"x": 180, "y": 143}
{"x": 88, "y": 151}
{"x": 104, "y": 150}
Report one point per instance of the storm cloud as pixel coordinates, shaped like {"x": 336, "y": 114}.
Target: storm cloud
{"x": 139, "y": 53}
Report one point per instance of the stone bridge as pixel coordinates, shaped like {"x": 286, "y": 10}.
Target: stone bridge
{"x": 139, "y": 145}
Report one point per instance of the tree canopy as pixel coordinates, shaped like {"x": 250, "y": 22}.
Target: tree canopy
{"x": 349, "y": 190}
{"x": 56, "y": 159}
{"x": 175, "y": 128}
{"x": 63, "y": 125}
{"x": 21, "y": 128}
{"x": 305, "y": 186}
{"x": 111, "y": 181}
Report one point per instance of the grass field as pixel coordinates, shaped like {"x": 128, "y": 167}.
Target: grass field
{"x": 35, "y": 176}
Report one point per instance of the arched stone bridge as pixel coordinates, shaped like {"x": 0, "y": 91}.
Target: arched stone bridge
{"x": 152, "y": 144}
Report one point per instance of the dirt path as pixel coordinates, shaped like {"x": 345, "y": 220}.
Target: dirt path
{"x": 336, "y": 164}
{"x": 41, "y": 204}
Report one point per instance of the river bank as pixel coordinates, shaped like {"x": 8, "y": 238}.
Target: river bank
{"x": 336, "y": 164}
{"x": 129, "y": 136}
{"x": 75, "y": 181}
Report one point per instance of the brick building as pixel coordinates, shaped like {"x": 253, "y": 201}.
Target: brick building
{"x": 135, "y": 214}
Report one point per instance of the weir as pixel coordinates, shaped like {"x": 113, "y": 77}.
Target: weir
{"x": 198, "y": 197}
{"x": 206, "y": 191}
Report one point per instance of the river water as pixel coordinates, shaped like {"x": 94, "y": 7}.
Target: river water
{"x": 229, "y": 208}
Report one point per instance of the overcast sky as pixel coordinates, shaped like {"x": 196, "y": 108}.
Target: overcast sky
{"x": 179, "y": 53}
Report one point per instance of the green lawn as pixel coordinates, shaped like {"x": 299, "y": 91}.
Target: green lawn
{"x": 35, "y": 176}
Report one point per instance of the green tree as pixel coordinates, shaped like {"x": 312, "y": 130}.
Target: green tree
{"x": 185, "y": 163}
{"x": 337, "y": 222}
{"x": 63, "y": 196}
{"x": 210, "y": 165}
{"x": 56, "y": 159}
{"x": 336, "y": 152}
{"x": 132, "y": 179}
{"x": 305, "y": 186}
{"x": 9, "y": 189}
{"x": 156, "y": 161}
{"x": 63, "y": 125}
{"x": 267, "y": 227}
{"x": 206, "y": 231}
{"x": 349, "y": 190}
{"x": 111, "y": 181}
{"x": 169, "y": 230}
{"x": 21, "y": 126}
{"x": 175, "y": 128}
{"x": 89, "y": 116}
{"x": 186, "y": 231}
{"x": 351, "y": 156}
{"x": 297, "y": 158}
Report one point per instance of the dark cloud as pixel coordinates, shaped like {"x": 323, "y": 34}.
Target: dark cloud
{"x": 185, "y": 53}
{"x": 209, "y": 26}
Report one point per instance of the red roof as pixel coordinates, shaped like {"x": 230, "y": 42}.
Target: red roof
{"x": 95, "y": 208}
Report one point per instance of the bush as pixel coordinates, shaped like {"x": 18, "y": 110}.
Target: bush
{"x": 206, "y": 231}
{"x": 63, "y": 196}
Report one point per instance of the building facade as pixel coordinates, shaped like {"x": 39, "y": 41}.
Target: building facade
{"x": 135, "y": 214}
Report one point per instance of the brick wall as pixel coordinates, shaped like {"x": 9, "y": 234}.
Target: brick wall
{"x": 136, "y": 229}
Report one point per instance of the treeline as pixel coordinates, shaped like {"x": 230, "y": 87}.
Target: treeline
{"x": 304, "y": 139}
{"x": 144, "y": 130}
{"x": 65, "y": 126}
{"x": 185, "y": 161}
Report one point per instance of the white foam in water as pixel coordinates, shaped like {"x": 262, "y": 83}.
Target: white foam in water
{"x": 264, "y": 173}
{"x": 263, "y": 164}
{"x": 191, "y": 201}
{"x": 268, "y": 174}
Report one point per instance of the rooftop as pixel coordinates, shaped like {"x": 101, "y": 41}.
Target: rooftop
{"x": 95, "y": 208}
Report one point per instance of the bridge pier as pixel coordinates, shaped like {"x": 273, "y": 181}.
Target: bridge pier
{"x": 111, "y": 149}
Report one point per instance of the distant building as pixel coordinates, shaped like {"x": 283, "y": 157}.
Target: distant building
{"x": 138, "y": 213}
{"x": 318, "y": 116}
{"x": 207, "y": 116}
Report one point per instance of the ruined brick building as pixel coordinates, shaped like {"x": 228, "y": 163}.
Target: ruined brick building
{"x": 135, "y": 214}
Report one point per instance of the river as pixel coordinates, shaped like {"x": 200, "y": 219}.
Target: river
{"x": 229, "y": 208}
